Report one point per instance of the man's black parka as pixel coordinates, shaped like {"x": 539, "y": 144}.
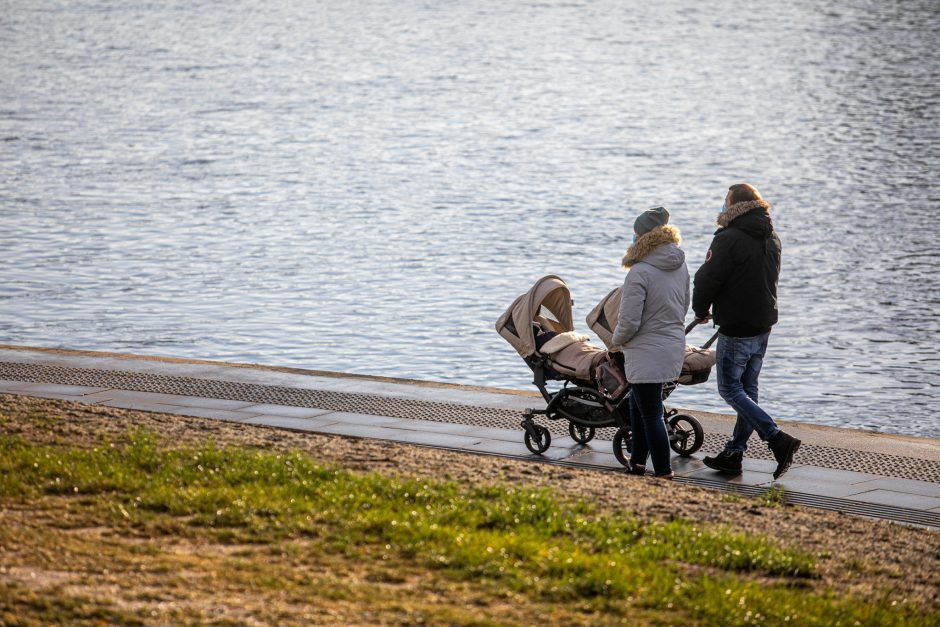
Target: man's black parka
{"x": 738, "y": 281}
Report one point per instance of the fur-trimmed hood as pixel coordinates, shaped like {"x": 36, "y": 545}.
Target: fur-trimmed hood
{"x": 648, "y": 242}
{"x": 738, "y": 209}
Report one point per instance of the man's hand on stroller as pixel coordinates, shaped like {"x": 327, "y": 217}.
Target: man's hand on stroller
{"x": 703, "y": 319}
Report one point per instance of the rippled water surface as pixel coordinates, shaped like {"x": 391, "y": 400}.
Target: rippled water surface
{"x": 365, "y": 186}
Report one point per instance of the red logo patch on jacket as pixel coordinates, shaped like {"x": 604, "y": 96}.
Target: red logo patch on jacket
{"x": 708, "y": 255}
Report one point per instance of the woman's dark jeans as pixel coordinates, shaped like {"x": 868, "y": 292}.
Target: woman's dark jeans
{"x": 649, "y": 431}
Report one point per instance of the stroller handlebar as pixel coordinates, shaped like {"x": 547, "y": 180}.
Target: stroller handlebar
{"x": 710, "y": 341}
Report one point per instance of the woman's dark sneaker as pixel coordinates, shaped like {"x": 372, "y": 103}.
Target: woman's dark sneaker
{"x": 726, "y": 461}
{"x": 783, "y": 447}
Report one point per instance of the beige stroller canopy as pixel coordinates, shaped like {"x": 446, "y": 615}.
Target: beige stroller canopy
{"x": 603, "y": 318}
{"x": 515, "y": 325}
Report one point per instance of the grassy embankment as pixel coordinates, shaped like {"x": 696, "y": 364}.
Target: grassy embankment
{"x": 233, "y": 533}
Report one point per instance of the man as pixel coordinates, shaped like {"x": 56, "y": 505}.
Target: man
{"x": 737, "y": 286}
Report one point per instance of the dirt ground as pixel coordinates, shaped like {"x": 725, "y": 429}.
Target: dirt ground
{"x": 856, "y": 555}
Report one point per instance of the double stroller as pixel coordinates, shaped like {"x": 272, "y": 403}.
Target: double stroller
{"x": 593, "y": 394}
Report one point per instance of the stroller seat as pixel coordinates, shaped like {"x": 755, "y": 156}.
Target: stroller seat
{"x": 697, "y": 363}
{"x": 571, "y": 355}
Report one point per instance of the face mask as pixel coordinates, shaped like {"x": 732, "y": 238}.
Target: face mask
{"x": 634, "y": 238}
{"x": 723, "y": 208}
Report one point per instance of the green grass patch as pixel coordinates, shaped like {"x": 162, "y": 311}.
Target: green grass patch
{"x": 776, "y": 496}
{"x": 527, "y": 541}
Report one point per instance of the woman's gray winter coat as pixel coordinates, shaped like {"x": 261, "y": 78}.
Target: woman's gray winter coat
{"x": 651, "y": 326}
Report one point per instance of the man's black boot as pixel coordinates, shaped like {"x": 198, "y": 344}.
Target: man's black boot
{"x": 728, "y": 462}
{"x": 783, "y": 447}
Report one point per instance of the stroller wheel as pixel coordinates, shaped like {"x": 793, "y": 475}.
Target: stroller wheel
{"x": 623, "y": 445}
{"x": 537, "y": 439}
{"x": 685, "y": 434}
{"x": 581, "y": 435}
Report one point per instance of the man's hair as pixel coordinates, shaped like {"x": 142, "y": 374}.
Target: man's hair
{"x": 742, "y": 192}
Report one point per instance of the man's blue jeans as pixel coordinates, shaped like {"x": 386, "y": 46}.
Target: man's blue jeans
{"x": 738, "y": 363}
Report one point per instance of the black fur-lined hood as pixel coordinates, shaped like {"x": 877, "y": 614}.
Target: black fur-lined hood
{"x": 744, "y": 217}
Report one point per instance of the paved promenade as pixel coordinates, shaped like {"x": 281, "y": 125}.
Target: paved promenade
{"x": 855, "y": 472}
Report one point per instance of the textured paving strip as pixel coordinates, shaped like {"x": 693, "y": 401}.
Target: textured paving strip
{"x": 374, "y": 405}
{"x": 854, "y": 507}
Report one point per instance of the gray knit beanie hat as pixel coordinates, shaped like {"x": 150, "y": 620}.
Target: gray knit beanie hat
{"x": 649, "y": 220}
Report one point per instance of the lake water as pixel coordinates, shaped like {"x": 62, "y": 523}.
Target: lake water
{"x": 365, "y": 186}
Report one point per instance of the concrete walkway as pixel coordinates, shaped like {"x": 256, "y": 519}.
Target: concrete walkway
{"x": 856, "y": 472}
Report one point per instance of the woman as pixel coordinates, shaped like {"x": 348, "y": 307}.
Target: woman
{"x": 650, "y": 332}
